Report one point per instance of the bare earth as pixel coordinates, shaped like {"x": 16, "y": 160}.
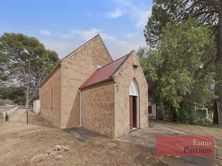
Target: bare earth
{"x": 39, "y": 143}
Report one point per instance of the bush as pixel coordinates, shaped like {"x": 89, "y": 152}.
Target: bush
{"x": 16, "y": 94}
{"x": 187, "y": 114}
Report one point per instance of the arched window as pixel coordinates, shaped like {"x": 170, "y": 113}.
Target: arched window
{"x": 133, "y": 90}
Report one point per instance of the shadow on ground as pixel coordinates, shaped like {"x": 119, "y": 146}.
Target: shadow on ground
{"x": 37, "y": 144}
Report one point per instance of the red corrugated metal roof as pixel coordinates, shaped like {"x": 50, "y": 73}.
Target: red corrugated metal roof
{"x": 104, "y": 73}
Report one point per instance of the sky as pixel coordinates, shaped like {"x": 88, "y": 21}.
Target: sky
{"x": 63, "y": 25}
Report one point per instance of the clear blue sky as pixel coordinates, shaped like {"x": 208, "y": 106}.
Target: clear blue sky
{"x": 62, "y": 25}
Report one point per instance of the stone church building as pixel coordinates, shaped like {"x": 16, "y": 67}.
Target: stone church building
{"x": 88, "y": 89}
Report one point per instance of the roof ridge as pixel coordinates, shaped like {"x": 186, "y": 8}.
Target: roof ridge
{"x": 61, "y": 60}
{"x": 106, "y": 72}
{"x": 127, "y": 56}
{"x": 102, "y": 68}
{"x": 115, "y": 60}
{"x": 81, "y": 46}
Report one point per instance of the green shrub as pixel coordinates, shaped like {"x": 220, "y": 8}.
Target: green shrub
{"x": 16, "y": 94}
{"x": 187, "y": 114}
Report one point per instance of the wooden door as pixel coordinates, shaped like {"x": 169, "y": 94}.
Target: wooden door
{"x": 133, "y": 111}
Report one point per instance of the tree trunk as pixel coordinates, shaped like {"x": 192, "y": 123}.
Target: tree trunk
{"x": 27, "y": 97}
{"x": 218, "y": 88}
{"x": 27, "y": 88}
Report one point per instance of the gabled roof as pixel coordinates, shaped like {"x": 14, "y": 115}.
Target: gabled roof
{"x": 58, "y": 64}
{"x": 84, "y": 44}
{"x": 105, "y": 73}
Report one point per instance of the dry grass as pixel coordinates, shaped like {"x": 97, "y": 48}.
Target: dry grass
{"x": 192, "y": 129}
{"x": 23, "y": 144}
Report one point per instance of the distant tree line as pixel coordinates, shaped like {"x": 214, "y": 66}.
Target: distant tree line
{"x": 16, "y": 94}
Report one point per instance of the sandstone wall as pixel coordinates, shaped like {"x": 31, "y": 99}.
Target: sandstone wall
{"x": 75, "y": 70}
{"x": 50, "y": 98}
{"x": 98, "y": 109}
{"x": 123, "y": 78}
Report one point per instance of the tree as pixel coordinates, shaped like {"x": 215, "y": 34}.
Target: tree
{"x": 182, "y": 64}
{"x": 3, "y": 61}
{"x": 206, "y": 12}
{"x": 163, "y": 11}
{"x": 28, "y": 62}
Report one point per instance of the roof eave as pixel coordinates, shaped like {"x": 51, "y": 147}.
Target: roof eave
{"x": 128, "y": 55}
{"x": 58, "y": 65}
{"x": 97, "y": 83}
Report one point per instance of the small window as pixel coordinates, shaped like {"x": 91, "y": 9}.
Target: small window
{"x": 150, "y": 109}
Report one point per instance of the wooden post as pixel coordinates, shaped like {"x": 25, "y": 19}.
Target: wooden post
{"x": 27, "y": 116}
{"x": 219, "y": 114}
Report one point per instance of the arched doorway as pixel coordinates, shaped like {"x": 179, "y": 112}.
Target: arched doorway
{"x": 133, "y": 104}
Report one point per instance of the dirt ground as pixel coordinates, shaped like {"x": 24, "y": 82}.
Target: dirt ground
{"x": 39, "y": 143}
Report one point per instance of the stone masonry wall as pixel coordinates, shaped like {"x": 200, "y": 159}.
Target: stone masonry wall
{"x": 50, "y": 98}
{"x": 123, "y": 78}
{"x": 98, "y": 109}
{"x": 75, "y": 70}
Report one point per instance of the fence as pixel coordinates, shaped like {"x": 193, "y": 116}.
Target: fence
{"x": 4, "y": 116}
{"x": 1, "y": 118}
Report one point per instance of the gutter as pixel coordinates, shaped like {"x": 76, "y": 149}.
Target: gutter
{"x": 97, "y": 83}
